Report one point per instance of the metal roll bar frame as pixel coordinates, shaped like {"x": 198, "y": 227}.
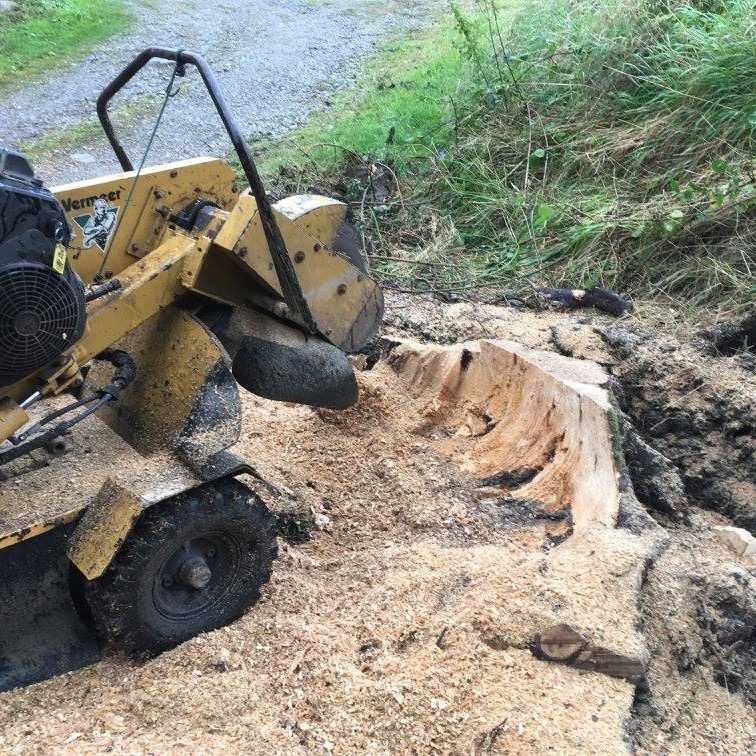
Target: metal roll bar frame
{"x": 290, "y": 287}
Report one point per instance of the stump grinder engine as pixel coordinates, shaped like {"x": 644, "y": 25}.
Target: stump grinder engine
{"x": 131, "y": 309}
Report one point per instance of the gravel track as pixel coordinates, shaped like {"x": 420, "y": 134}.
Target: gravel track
{"x": 277, "y": 62}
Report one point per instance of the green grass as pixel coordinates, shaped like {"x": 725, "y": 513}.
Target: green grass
{"x": 617, "y": 149}
{"x": 45, "y": 33}
{"x": 403, "y": 97}
{"x": 575, "y": 142}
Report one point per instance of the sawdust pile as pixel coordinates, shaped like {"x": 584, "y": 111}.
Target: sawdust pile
{"x": 410, "y": 622}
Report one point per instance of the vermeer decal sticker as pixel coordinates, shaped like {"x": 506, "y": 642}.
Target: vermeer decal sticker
{"x": 98, "y": 225}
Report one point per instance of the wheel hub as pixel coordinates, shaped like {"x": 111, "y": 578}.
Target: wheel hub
{"x": 195, "y": 573}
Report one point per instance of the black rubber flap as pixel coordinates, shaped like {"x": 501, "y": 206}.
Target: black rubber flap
{"x": 314, "y": 373}
{"x": 41, "y": 633}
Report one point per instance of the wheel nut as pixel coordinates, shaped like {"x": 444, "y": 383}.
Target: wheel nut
{"x": 167, "y": 581}
{"x": 210, "y": 553}
{"x": 195, "y": 573}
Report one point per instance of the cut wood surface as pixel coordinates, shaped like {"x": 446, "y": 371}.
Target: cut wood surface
{"x": 537, "y": 422}
{"x": 562, "y": 643}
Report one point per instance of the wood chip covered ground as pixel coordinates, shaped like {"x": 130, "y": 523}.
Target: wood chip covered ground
{"x": 459, "y": 595}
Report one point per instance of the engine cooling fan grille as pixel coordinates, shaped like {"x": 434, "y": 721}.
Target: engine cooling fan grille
{"x": 40, "y": 317}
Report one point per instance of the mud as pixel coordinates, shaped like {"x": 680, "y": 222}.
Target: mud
{"x": 414, "y": 618}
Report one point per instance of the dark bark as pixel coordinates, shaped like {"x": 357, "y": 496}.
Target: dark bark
{"x": 572, "y": 299}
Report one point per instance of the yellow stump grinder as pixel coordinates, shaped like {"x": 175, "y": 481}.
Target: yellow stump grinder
{"x": 131, "y": 309}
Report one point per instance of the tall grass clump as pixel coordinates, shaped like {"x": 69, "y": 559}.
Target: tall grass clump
{"x": 611, "y": 144}
{"x": 593, "y": 143}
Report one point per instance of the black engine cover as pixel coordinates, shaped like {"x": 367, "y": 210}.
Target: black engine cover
{"x": 42, "y": 311}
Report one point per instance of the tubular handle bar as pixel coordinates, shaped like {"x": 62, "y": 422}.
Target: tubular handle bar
{"x": 290, "y": 286}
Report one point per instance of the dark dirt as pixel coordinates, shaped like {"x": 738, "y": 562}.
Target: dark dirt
{"x": 698, "y": 411}
{"x": 698, "y": 618}
{"x": 727, "y": 617}
{"x": 733, "y": 338}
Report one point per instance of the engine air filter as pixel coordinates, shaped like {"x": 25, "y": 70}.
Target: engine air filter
{"x": 41, "y": 315}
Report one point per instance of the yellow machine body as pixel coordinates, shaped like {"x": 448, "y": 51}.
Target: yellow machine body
{"x": 193, "y": 286}
{"x": 140, "y": 226}
{"x": 170, "y": 430}
{"x": 156, "y": 263}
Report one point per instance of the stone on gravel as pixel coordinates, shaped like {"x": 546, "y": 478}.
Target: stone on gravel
{"x": 738, "y": 540}
{"x": 84, "y": 158}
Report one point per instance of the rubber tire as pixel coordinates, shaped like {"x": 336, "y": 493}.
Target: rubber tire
{"x": 121, "y": 601}
{"x": 350, "y": 242}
